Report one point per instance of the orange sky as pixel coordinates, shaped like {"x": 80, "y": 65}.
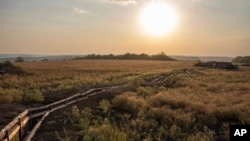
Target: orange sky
{"x": 205, "y": 27}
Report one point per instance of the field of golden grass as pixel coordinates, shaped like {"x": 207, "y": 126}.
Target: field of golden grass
{"x": 189, "y": 103}
{"x": 54, "y": 76}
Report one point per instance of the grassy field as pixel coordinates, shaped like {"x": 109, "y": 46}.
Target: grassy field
{"x": 49, "y": 77}
{"x": 187, "y": 103}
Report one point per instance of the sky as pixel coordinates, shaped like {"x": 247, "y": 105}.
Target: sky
{"x": 204, "y": 27}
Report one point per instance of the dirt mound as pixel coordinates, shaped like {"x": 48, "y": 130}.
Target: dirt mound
{"x": 217, "y": 65}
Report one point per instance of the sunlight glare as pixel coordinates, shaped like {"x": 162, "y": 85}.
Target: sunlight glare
{"x": 158, "y": 19}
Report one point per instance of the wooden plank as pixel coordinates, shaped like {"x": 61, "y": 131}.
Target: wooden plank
{"x": 13, "y": 123}
{"x": 33, "y": 131}
{"x": 38, "y": 114}
{"x": 15, "y": 129}
{"x": 13, "y": 126}
{"x": 82, "y": 98}
{"x": 38, "y": 108}
{"x": 73, "y": 97}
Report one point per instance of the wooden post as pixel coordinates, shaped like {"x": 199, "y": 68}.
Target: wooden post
{"x": 7, "y": 135}
{"x": 30, "y": 121}
{"x": 20, "y": 130}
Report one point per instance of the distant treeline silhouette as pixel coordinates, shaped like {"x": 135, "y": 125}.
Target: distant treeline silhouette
{"x": 128, "y": 56}
{"x": 240, "y": 59}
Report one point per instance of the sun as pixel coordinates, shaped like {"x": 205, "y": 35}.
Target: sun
{"x": 158, "y": 19}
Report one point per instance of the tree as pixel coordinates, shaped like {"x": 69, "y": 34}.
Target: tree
{"x": 241, "y": 59}
{"x": 19, "y": 59}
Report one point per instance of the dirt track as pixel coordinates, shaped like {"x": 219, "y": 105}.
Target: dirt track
{"x": 54, "y": 121}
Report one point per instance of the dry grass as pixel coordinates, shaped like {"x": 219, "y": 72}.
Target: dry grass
{"x": 53, "y": 76}
{"x": 189, "y": 104}
{"x": 199, "y": 105}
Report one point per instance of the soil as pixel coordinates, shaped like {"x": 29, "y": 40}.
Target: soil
{"x": 54, "y": 123}
{"x": 9, "y": 112}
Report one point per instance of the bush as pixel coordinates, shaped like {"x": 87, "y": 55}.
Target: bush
{"x": 104, "y": 105}
{"x": 33, "y": 96}
{"x": 107, "y": 132}
{"x": 145, "y": 91}
{"x": 5, "y": 99}
{"x": 10, "y": 95}
{"x": 133, "y": 84}
{"x": 8, "y": 64}
{"x": 166, "y": 99}
{"x": 207, "y": 135}
{"x": 129, "y": 102}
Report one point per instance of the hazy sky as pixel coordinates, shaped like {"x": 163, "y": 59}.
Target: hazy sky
{"x": 205, "y": 27}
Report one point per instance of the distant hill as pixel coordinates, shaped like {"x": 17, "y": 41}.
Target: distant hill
{"x": 28, "y": 57}
{"x": 31, "y": 57}
{"x": 241, "y": 59}
{"x": 202, "y": 58}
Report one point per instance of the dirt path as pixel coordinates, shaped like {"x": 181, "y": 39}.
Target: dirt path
{"x": 54, "y": 122}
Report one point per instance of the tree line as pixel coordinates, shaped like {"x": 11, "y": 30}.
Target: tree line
{"x": 241, "y": 59}
{"x": 128, "y": 56}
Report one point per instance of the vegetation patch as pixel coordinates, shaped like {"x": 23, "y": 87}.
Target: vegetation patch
{"x": 242, "y": 59}
{"x": 10, "y": 68}
{"x": 202, "y": 109}
{"x": 217, "y": 65}
{"x": 129, "y": 56}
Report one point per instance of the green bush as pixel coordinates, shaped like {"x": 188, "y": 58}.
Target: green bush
{"x": 33, "y": 96}
{"x": 104, "y": 105}
{"x": 145, "y": 91}
{"x": 16, "y": 94}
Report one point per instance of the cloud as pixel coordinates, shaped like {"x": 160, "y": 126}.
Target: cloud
{"x": 120, "y": 2}
{"x": 80, "y": 11}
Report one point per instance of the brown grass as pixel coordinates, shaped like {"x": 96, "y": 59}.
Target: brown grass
{"x": 189, "y": 104}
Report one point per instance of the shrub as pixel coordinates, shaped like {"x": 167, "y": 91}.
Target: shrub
{"x": 135, "y": 83}
{"x": 107, "y": 132}
{"x": 104, "y": 105}
{"x": 16, "y": 94}
{"x": 10, "y": 95}
{"x": 145, "y": 91}
{"x": 163, "y": 99}
{"x": 8, "y": 64}
{"x": 209, "y": 119}
{"x": 129, "y": 102}
{"x": 207, "y": 135}
{"x": 33, "y": 96}
{"x": 75, "y": 112}
{"x": 5, "y": 99}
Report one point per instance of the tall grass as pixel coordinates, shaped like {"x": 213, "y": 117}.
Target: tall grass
{"x": 54, "y": 76}
{"x": 201, "y": 109}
